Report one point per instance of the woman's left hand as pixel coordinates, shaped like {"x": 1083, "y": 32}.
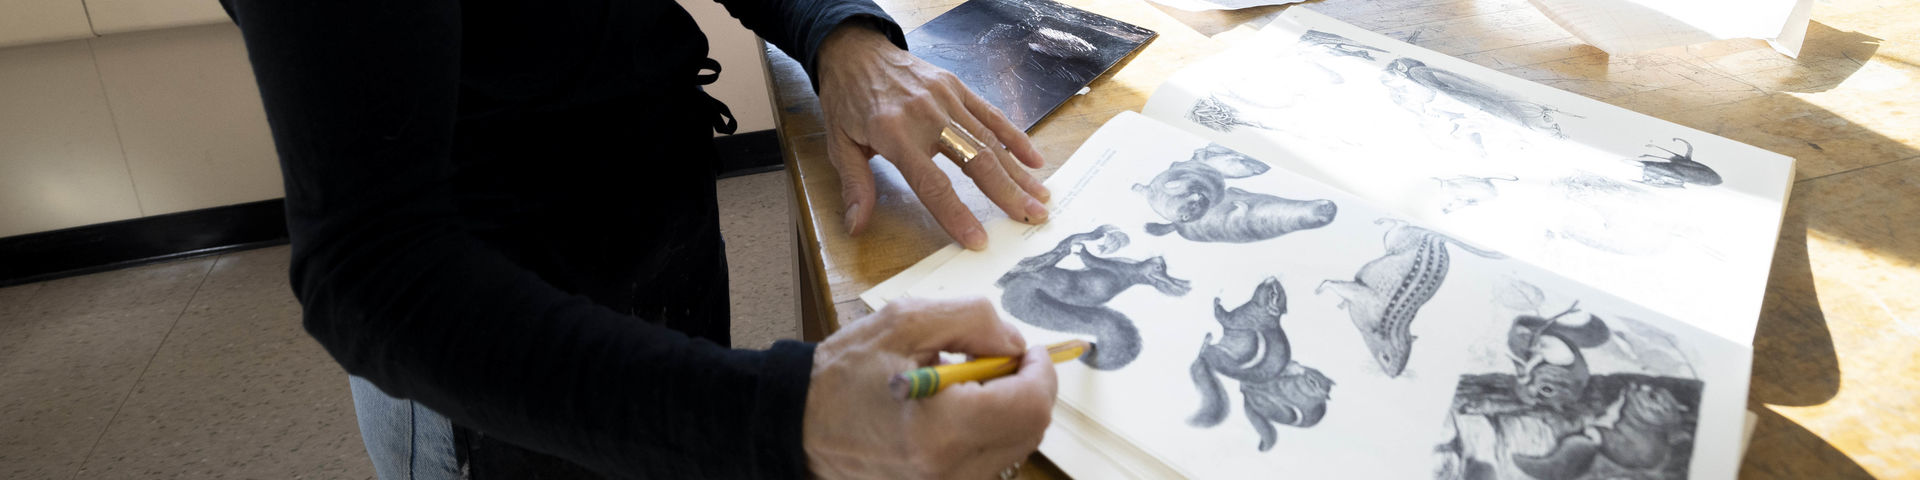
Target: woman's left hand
{"x": 881, "y": 100}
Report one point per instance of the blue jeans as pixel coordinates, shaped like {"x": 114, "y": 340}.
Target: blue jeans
{"x": 406, "y": 440}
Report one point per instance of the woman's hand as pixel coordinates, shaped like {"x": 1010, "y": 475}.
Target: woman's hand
{"x": 855, "y": 427}
{"x": 881, "y": 100}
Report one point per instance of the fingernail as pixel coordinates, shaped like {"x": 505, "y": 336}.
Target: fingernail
{"x": 852, "y": 208}
{"x": 974, "y": 239}
{"x": 1040, "y": 190}
{"x": 1036, "y": 212}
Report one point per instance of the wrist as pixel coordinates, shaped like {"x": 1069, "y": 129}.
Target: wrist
{"x": 855, "y": 34}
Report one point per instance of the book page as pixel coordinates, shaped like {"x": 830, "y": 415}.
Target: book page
{"x": 1672, "y": 218}
{"x": 1250, "y": 320}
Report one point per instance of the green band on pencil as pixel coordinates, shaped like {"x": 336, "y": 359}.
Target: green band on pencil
{"x": 925, "y": 382}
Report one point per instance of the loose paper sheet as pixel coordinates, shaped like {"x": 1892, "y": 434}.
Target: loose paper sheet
{"x": 1626, "y": 26}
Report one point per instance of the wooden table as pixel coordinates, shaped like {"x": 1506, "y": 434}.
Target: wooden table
{"x": 1836, "y": 380}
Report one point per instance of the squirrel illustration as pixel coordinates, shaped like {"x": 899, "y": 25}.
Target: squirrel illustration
{"x": 1254, "y": 350}
{"x": 1192, "y": 195}
{"x": 1550, "y": 370}
{"x": 1298, "y": 398}
{"x": 1649, "y": 427}
{"x": 1041, "y": 293}
{"x": 1386, "y": 293}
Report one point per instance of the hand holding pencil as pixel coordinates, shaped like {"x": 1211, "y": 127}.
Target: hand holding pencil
{"x": 854, "y": 427}
{"x": 923, "y": 382}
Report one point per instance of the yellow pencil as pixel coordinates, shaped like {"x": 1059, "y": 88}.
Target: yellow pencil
{"x": 923, "y": 382}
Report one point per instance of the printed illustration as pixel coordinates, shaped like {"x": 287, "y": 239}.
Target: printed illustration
{"x": 1219, "y": 115}
{"x": 1041, "y": 293}
{"x": 1387, "y": 293}
{"x": 1546, "y": 354}
{"x": 1619, "y": 217}
{"x": 1560, "y": 416}
{"x": 1194, "y": 197}
{"x": 1467, "y": 191}
{"x": 1229, "y": 163}
{"x": 1419, "y": 88}
{"x": 1254, "y": 351}
{"x": 1675, "y": 170}
{"x": 1335, "y": 46}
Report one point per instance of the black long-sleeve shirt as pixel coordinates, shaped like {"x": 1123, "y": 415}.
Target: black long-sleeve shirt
{"x": 408, "y": 130}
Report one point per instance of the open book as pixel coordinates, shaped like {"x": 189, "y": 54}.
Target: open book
{"x": 1329, "y": 254}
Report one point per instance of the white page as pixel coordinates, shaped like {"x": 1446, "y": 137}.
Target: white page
{"x": 1374, "y": 425}
{"x": 1550, "y": 177}
{"x": 1626, "y": 26}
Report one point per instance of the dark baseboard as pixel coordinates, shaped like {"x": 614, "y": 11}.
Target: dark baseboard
{"x": 748, "y": 153}
{"x": 100, "y": 247}
{"x": 94, "y": 248}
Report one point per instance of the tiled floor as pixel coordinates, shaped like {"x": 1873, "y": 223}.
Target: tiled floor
{"x": 199, "y": 369}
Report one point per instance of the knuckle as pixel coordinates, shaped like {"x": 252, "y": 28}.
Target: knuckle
{"x": 979, "y": 306}
{"x": 946, "y": 76}
{"x": 922, "y": 105}
{"x": 884, "y": 117}
{"x": 987, "y": 136}
{"x": 931, "y": 184}
{"x": 901, "y": 307}
{"x": 982, "y": 165}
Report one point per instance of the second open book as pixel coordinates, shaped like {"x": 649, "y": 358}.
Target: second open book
{"x": 1328, "y": 254}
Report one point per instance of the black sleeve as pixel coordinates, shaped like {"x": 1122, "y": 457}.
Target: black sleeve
{"x": 798, "y": 26}
{"x": 361, "y": 97}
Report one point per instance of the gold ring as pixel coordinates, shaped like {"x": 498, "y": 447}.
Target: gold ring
{"x": 955, "y": 140}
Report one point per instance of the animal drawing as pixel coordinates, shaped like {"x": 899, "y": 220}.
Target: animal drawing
{"x": 1254, "y": 351}
{"x": 1230, "y": 163}
{"x": 1220, "y": 116}
{"x": 1416, "y": 87}
{"x": 1298, "y": 397}
{"x": 1194, "y": 197}
{"x": 1649, "y": 430}
{"x": 1468, "y": 191}
{"x": 1041, "y": 293}
{"x": 1620, "y": 217}
{"x": 1550, "y": 370}
{"x": 1675, "y": 170}
{"x": 1387, "y": 293}
{"x": 1335, "y": 46}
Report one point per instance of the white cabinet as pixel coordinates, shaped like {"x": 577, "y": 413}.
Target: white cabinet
{"x": 121, "y": 16}
{"x": 60, "y": 160}
{"x": 24, "y": 22}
